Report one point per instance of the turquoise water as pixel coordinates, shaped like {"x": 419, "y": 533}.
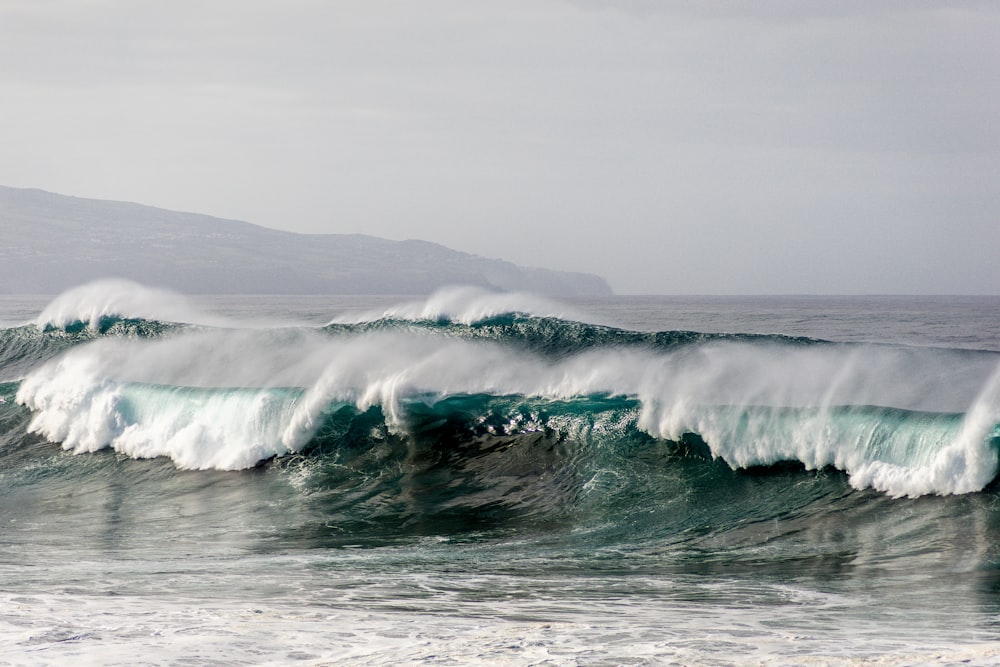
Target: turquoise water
{"x": 483, "y": 479}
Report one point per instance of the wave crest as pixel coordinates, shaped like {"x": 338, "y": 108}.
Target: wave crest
{"x": 100, "y": 301}
{"x": 228, "y": 399}
{"x": 465, "y": 305}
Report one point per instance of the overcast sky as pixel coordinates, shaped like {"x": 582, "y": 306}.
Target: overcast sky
{"x": 673, "y": 147}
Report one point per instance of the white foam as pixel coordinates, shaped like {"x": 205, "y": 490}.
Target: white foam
{"x": 321, "y": 627}
{"x": 86, "y": 399}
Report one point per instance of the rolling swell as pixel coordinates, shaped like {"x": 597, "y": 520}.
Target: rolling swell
{"x": 558, "y": 338}
{"x": 542, "y": 398}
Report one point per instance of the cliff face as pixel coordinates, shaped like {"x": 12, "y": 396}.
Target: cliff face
{"x": 51, "y": 242}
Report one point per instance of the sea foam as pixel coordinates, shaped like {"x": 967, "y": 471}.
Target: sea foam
{"x": 230, "y": 398}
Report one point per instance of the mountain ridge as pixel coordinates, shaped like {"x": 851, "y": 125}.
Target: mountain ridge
{"x": 53, "y": 242}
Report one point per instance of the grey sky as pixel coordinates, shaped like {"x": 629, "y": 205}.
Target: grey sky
{"x": 672, "y": 147}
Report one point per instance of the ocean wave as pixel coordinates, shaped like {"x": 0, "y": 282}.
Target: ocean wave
{"x": 230, "y": 398}
{"x": 99, "y": 304}
{"x": 466, "y": 305}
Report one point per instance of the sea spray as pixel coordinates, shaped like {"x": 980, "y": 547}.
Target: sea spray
{"x": 963, "y": 463}
{"x": 95, "y": 302}
{"x": 465, "y": 305}
{"x": 265, "y": 393}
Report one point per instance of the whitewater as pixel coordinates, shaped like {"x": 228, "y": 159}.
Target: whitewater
{"x": 498, "y": 478}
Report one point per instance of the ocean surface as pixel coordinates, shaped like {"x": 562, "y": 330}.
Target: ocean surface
{"x": 475, "y": 478}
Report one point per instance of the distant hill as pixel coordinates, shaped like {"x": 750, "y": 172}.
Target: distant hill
{"x": 51, "y": 242}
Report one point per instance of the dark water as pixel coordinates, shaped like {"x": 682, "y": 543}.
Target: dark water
{"x": 483, "y": 479}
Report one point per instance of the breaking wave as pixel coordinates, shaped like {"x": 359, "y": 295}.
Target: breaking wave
{"x": 904, "y": 421}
